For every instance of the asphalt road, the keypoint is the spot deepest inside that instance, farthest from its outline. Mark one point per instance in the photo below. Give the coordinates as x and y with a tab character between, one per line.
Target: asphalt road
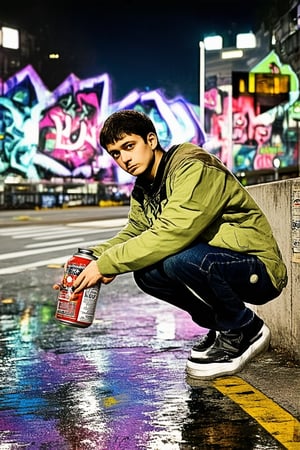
18	217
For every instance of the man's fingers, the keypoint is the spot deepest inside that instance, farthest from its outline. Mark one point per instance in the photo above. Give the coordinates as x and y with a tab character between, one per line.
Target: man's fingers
78	287
79	282
89	277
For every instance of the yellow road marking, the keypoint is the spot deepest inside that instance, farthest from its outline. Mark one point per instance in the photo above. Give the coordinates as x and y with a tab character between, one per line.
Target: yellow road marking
278	422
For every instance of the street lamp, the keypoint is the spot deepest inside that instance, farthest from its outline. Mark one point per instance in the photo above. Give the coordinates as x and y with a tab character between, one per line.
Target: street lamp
201	83
9	39
209	43
245	40
215	43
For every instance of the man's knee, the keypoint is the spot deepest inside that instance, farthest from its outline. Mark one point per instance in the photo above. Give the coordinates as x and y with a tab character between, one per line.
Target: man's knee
173	265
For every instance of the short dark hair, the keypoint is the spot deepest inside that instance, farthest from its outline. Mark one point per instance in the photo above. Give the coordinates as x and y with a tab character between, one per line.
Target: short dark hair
126	121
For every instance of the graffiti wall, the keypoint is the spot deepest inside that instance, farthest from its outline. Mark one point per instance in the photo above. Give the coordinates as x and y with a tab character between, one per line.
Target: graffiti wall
46	135
250	125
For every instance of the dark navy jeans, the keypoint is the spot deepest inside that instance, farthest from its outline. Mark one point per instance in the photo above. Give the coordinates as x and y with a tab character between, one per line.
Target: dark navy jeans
212	284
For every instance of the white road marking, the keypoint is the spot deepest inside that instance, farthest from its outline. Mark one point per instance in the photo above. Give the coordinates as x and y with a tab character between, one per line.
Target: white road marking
42	244
42	232
11	255
22	267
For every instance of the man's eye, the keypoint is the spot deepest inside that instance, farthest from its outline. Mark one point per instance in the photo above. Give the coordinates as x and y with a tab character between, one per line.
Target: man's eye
115	154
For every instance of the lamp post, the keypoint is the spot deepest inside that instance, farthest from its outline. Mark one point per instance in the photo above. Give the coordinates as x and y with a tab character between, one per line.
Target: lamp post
209	43
9	39
201	83
215	43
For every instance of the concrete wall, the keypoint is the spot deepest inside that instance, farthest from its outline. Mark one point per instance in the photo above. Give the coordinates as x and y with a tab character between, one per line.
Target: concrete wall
282	315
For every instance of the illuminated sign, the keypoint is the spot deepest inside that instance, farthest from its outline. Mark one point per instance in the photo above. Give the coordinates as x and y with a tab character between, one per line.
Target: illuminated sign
268	89
260	83
269	83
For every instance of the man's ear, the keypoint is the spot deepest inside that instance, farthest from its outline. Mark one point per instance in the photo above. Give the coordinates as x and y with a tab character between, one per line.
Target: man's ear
152	140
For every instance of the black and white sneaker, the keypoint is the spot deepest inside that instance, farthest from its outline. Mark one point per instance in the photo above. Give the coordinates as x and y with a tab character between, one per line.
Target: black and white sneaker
231	351
203	345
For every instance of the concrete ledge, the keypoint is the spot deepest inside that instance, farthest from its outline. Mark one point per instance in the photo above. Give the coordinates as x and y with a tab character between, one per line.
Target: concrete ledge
282	315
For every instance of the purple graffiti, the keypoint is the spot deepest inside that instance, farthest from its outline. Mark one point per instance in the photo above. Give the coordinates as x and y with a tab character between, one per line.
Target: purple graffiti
56	135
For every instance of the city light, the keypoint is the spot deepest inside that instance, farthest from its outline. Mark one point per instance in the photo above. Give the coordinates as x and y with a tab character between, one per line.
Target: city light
276	164
245	40
9	38
213	42
231	54
209	43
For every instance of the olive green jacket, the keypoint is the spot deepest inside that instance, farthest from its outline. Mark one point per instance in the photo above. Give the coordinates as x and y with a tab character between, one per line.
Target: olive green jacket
193	197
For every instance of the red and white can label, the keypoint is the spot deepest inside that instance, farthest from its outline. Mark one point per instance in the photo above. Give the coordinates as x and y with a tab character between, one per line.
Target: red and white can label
80	310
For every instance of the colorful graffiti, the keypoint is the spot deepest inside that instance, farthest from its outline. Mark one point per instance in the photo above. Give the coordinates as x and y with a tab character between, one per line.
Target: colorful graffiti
56	134
247	135
45	135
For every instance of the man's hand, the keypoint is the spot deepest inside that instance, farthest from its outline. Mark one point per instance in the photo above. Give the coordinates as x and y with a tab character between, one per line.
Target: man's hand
87	278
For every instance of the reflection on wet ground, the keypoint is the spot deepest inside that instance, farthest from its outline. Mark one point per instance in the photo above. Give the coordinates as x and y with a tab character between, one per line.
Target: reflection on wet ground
118	385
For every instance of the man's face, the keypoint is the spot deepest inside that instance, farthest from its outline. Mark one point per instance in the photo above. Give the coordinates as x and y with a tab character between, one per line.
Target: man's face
134	155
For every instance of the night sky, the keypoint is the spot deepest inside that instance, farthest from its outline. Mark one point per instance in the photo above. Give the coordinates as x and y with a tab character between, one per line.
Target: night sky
141	45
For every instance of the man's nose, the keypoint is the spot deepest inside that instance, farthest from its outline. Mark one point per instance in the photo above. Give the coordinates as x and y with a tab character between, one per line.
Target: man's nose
125	157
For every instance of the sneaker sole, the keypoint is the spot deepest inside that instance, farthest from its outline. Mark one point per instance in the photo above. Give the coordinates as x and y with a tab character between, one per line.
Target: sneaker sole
213	370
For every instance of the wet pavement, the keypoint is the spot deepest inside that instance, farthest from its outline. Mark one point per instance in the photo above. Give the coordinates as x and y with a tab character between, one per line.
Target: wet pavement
120	384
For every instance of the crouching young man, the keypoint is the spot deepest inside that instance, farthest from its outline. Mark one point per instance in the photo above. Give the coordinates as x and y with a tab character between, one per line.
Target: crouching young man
196	239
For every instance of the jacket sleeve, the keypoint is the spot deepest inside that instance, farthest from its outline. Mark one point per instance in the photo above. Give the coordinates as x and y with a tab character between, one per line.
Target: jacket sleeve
195	198
134	227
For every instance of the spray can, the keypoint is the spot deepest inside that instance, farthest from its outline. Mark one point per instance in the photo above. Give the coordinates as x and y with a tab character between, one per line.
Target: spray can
79	311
